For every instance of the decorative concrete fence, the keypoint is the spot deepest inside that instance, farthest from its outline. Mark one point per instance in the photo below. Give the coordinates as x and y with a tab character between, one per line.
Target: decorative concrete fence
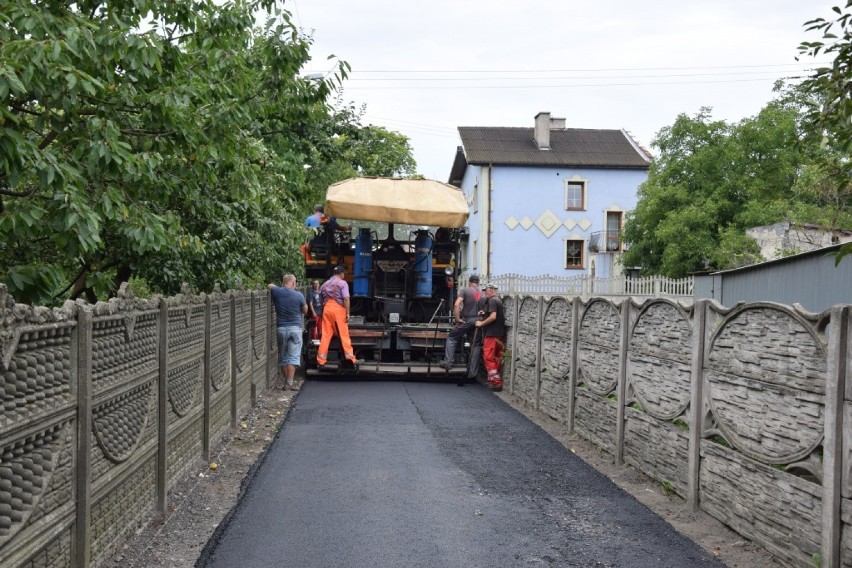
588	286
106	407
745	412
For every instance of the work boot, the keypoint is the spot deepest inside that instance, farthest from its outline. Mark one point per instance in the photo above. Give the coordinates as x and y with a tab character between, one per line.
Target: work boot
445	364
357	362
495	384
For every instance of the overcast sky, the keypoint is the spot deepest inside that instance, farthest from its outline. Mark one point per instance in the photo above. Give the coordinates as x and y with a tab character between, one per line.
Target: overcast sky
425	67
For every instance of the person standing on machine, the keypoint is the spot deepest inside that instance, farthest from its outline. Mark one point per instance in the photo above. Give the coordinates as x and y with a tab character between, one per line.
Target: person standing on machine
315	309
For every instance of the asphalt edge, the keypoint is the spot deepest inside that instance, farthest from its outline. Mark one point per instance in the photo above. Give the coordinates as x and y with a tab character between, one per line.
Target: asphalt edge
209	550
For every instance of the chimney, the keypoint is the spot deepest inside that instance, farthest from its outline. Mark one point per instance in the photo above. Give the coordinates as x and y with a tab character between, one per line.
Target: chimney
542	130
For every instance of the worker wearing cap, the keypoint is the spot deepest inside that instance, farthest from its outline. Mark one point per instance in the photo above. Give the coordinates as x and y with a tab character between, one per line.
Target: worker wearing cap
493	327
465	311
334	294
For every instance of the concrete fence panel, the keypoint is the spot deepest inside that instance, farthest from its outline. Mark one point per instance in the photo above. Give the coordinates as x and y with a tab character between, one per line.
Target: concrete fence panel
243	306
39	373
259	342
220	387
525	353
746	412
123	434
106	407
598	340
761	456
184	384
555	394
659	356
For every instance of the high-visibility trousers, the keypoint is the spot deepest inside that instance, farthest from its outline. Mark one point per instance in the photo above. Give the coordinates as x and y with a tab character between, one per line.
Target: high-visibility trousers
492	352
316	327
334	322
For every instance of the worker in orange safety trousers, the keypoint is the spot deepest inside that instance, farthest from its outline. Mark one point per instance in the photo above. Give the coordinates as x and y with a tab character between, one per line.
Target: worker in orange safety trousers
334	294
493	327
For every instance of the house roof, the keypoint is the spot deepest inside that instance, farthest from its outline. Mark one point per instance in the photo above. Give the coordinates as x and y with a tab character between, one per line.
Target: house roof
570	147
824	251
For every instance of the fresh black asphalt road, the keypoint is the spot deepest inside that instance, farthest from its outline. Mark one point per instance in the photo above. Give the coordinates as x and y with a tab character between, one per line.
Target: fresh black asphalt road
418	474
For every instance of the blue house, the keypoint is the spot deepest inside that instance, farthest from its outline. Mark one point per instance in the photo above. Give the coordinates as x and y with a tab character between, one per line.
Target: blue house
548	199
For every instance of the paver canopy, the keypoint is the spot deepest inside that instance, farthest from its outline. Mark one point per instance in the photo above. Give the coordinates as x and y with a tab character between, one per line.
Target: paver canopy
394	200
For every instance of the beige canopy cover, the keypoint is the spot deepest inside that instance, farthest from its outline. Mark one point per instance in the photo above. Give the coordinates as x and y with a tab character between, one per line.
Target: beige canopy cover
395	200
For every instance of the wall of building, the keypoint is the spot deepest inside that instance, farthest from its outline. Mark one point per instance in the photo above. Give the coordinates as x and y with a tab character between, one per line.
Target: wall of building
530	222
473	253
811	280
744	412
786	238
106	407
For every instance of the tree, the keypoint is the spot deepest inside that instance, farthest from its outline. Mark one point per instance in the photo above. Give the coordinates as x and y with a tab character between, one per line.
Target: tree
341	148
135	139
713	180
829	112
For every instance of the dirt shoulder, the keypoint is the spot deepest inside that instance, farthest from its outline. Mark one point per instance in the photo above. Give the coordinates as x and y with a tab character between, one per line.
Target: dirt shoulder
203	500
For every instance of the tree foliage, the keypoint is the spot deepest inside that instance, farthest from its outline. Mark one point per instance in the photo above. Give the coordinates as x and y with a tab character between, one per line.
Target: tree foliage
713	180
829	112
166	140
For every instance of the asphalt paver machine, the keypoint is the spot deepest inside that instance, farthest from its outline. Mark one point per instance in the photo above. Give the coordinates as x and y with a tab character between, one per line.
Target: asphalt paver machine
401	253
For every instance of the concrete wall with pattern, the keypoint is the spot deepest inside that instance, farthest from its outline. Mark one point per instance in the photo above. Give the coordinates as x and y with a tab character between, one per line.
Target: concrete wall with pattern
106	407
746	412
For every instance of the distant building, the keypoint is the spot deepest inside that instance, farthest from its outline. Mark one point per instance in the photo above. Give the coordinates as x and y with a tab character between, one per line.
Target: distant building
786	238
547	199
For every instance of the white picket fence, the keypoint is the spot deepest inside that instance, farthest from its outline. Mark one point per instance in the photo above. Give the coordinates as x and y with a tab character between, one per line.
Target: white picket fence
587	286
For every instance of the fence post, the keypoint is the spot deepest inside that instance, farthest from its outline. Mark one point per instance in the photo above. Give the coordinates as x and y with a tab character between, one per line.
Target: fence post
836	391
514	341
271	338
234	355
83	350
572	383
252	362
205	440
621	387
162	414
696	401
539	333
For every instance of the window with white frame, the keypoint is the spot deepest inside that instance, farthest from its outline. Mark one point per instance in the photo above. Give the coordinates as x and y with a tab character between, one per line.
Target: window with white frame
575	195
574	254
476	197
474	261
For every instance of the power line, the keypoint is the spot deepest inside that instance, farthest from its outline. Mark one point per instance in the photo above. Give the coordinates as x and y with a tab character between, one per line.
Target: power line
774	73
406	122
586	70
637	84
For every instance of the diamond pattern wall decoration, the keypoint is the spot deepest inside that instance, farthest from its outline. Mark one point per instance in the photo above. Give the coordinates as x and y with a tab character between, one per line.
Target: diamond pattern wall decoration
511	222
585	224
526	222
570	223
548	223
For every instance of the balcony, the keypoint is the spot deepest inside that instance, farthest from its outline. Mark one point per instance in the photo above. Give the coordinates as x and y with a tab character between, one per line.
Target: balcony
605	241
